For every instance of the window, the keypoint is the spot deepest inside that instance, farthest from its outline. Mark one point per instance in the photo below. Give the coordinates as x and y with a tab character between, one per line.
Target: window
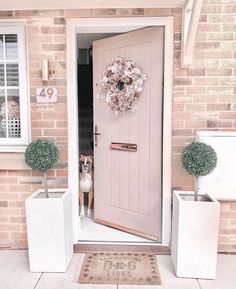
14	111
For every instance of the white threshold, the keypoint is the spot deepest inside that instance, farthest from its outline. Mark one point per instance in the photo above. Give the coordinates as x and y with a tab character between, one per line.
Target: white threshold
118	25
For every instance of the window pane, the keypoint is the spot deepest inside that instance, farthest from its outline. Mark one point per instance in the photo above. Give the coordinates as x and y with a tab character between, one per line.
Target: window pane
2	80
13	94
10	86
11	46
1	47
12	75
10	115
2	100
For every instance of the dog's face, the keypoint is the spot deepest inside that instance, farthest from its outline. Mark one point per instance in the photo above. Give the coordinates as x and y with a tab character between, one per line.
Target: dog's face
85	163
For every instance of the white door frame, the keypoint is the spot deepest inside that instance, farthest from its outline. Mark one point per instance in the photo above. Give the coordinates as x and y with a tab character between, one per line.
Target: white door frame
106	25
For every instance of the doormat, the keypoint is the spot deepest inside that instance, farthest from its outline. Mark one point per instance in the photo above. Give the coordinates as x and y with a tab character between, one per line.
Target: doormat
120	268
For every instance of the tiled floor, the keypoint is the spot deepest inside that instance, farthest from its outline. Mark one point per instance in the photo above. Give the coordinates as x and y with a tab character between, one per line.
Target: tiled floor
91	231
14	274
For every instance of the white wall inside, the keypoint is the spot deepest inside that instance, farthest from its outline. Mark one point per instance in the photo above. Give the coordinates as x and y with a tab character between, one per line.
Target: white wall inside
85	40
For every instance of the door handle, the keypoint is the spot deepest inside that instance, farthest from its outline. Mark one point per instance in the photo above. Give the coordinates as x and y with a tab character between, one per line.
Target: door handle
96	134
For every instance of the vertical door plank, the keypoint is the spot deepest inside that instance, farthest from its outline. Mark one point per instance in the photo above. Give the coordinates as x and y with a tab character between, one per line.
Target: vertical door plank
104	141
124	132
144	130
134	138
115	157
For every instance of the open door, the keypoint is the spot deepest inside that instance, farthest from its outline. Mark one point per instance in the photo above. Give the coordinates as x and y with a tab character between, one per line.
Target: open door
128	185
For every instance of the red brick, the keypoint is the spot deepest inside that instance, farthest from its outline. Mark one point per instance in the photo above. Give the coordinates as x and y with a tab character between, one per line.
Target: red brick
3	204
182	132
53	47
228	115
218	106
181	115
10	180
10	228
211	9
230	8
4	235
195	124
196	72
207	45
53	30
18	236
8	196
219	72
182	81
18	220
9	211
228	215
195	107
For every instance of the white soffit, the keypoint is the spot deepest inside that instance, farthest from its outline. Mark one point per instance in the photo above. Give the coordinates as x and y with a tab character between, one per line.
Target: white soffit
83	4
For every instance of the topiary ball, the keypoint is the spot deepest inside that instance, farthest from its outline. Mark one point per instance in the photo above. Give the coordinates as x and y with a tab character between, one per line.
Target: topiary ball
199	159
41	155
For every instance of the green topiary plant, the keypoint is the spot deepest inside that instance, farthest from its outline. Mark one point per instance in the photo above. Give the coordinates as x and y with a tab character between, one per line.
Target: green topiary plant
42	155
199	159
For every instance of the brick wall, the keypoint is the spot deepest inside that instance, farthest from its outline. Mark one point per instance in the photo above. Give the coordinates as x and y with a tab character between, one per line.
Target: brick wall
203	99
45	39
205	96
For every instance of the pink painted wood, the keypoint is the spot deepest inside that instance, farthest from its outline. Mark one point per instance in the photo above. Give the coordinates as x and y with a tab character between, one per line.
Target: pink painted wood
128	185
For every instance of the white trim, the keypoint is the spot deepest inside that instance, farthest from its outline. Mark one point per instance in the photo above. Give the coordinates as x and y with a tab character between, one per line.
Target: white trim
214	133
88	4
97	23
19	145
72	107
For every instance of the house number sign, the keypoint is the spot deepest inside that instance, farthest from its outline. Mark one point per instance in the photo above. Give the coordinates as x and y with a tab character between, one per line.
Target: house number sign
46	94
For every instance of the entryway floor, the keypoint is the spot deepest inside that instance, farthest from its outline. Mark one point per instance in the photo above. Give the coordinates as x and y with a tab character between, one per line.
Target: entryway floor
91	231
14	274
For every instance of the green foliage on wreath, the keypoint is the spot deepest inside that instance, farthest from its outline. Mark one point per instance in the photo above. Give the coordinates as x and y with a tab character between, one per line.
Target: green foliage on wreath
41	155
199	159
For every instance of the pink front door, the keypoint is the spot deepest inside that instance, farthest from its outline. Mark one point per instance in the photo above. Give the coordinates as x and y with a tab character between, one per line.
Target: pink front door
128	185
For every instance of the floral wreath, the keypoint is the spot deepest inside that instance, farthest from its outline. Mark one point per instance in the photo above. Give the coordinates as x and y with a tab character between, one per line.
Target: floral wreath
121	85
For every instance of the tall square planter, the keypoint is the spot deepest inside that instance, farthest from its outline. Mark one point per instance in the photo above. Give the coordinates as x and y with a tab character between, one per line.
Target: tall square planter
195	229
49	230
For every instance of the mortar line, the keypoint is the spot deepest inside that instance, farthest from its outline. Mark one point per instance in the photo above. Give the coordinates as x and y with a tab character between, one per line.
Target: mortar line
199	284
38	281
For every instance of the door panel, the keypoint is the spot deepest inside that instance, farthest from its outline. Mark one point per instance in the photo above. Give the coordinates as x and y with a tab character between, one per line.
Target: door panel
128	190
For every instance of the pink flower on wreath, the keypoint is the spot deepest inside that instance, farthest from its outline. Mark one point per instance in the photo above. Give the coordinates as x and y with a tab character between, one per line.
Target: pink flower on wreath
12	108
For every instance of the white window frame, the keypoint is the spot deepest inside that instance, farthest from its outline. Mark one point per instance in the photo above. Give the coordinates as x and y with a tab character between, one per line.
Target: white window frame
19	144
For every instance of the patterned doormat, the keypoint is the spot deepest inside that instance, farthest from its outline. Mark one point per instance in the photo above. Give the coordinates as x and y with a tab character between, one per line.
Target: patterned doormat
120	268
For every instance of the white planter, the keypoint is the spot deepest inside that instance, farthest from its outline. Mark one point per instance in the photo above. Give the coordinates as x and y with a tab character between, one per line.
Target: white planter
49	229
195	229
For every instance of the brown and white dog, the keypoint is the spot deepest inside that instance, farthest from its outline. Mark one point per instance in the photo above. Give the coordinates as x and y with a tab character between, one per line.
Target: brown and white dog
86	183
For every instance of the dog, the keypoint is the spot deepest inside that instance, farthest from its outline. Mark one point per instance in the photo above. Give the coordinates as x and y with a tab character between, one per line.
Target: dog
86	183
